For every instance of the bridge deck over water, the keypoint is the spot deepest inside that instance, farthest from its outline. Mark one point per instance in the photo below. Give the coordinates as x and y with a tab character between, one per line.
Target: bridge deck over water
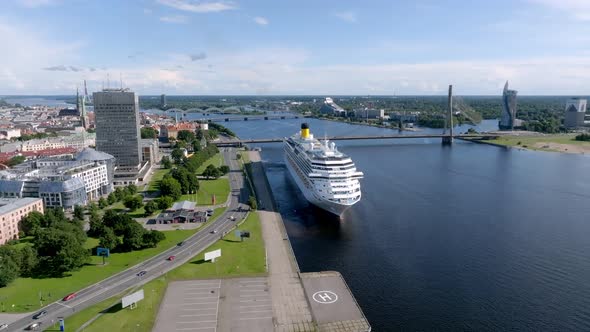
239	142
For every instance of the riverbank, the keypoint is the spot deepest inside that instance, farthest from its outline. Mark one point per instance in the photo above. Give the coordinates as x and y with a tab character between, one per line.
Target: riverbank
564	143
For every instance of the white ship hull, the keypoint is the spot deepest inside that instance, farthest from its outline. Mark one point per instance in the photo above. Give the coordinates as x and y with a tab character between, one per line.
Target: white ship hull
332	207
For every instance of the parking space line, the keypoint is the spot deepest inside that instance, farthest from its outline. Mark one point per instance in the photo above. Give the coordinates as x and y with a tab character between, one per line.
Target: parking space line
255	318
205	298
253	295
198	321
197	315
195	328
255	306
253	312
254	300
197	309
251	290
193	303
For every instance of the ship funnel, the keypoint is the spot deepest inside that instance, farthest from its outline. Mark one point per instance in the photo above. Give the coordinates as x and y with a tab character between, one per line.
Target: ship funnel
304	130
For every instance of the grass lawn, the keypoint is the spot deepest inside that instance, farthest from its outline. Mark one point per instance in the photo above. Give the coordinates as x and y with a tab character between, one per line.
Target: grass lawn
216	160
530	141
23	293
154	184
233	262
120	207
220	188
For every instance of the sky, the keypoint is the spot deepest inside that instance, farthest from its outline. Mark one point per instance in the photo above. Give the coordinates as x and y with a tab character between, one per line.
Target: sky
302	47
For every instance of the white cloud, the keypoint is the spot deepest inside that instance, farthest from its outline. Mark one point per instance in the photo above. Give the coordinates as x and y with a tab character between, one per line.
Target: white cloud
198	6
347	16
178	19
147	11
260	20
36	3
578	9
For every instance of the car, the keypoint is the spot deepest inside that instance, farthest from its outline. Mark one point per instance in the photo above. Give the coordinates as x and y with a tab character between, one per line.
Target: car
33	326
3	326
40	314
141	274
232	218
69	297
209	211
180	243
214	231
171	258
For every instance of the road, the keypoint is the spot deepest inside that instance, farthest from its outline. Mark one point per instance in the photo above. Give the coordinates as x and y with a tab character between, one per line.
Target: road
155	266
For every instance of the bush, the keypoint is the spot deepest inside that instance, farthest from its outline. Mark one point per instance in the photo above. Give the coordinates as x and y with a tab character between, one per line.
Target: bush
252	202
583	137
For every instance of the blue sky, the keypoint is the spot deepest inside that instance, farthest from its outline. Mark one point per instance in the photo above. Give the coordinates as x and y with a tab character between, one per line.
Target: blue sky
296	47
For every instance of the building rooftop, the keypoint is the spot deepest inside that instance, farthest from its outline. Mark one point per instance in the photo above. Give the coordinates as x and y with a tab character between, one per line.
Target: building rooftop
184	205
10	204
93	155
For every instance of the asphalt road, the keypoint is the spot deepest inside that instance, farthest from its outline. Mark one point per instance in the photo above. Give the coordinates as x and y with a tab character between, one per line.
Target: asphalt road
155	266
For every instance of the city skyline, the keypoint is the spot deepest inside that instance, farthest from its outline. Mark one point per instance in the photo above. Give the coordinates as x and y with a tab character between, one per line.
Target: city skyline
182	47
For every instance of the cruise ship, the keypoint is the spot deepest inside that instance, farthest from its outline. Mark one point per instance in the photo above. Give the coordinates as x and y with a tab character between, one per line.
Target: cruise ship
327	177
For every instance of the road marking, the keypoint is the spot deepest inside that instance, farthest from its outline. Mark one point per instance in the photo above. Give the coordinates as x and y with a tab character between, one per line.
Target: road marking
198	315
198	321
195	328
197	309
196	303
251	290
255	301
67	306
325	297
254	306
255	318
253	312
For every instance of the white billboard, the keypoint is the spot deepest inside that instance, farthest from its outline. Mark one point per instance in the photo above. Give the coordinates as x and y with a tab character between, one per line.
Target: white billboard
131	299
211	255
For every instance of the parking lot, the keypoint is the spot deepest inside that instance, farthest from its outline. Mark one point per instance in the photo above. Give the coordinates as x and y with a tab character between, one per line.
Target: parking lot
241	304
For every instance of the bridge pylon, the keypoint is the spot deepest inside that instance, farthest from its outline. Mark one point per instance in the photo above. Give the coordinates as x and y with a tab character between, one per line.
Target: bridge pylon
448	140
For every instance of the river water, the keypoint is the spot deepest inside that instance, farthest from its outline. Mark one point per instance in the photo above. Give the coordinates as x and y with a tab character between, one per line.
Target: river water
469	237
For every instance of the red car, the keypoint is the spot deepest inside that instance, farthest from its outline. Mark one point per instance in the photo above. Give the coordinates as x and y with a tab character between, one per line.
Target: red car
69	297
171	258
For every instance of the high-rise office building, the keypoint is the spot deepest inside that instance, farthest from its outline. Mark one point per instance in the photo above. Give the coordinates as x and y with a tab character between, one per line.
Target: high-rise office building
117	126
163	100
508	119
575	110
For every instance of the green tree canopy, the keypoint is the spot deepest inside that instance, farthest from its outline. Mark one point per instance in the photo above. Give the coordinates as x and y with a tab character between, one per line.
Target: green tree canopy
133	202
170	187
108	239
149	132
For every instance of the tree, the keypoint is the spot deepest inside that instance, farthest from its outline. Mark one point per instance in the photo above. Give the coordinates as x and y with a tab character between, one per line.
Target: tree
96	226
152	238
224	169
197	145
59	251
8	271
102	203
92	207
28	261
149	132
252	202
132	236
177	155
164	202
150	207
30	223
16	160
79	212
75	229
170	187
186	135
133	202
120	193
131	189
112	198
166	163
108	239
211	172
199	135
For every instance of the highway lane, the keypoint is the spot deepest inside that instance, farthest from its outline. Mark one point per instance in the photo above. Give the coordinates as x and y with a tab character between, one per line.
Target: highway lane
155	266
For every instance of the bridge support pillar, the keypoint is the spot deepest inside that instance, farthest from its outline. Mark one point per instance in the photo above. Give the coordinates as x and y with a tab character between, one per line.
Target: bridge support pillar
448	140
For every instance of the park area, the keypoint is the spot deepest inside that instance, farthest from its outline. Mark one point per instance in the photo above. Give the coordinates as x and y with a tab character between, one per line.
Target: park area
238	258
565	143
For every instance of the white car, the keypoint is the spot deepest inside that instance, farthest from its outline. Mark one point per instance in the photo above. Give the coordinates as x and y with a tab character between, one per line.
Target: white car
3	326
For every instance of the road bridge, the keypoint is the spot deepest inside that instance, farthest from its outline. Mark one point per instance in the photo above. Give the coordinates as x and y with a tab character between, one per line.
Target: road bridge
241	142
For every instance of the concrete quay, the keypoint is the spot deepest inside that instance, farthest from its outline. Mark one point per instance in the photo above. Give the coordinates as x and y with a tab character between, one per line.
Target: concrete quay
301	301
